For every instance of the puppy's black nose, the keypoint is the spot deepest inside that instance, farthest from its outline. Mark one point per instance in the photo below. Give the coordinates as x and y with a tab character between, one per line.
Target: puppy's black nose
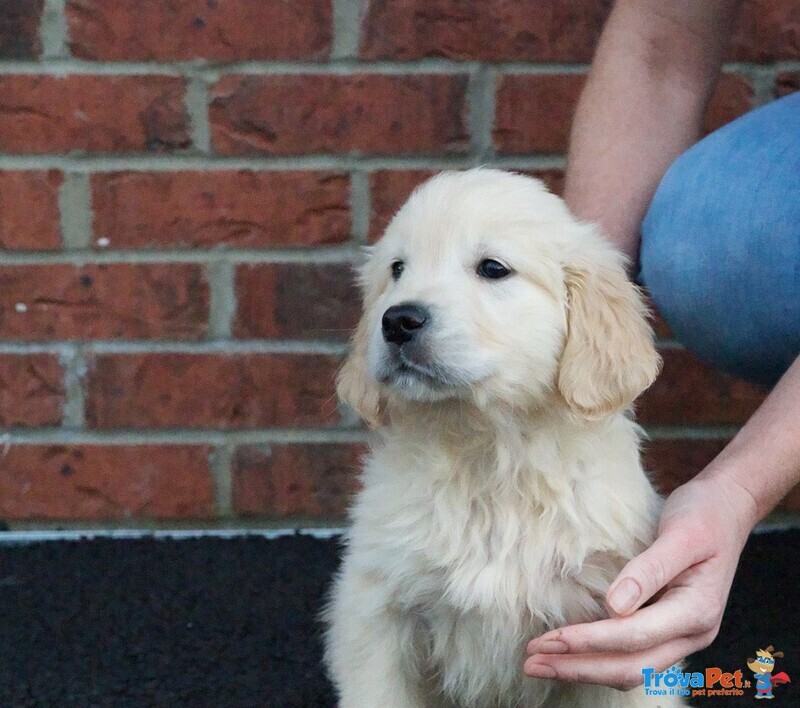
401	322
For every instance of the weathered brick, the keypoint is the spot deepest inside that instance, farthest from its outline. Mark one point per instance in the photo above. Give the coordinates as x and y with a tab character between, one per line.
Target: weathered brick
19	29
31	391
544	31
672	462
240	209
492	30
534	112
689	392
29	213
295	480
732	97
786	82
231	30
766	31
62	301
390	188
41	114
105	482
363	113
210	390
296	300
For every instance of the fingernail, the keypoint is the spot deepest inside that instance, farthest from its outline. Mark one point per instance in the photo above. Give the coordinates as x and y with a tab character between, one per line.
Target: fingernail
539	670
552	646
625	596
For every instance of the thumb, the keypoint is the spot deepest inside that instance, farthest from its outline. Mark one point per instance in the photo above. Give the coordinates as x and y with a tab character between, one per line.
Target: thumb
643	576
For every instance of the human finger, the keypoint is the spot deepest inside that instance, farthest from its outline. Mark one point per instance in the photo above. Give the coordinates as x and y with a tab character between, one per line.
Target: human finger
682	611
671	553
620	671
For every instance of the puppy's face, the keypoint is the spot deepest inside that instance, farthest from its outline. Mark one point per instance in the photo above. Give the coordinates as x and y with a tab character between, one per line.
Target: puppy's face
466	298
468	295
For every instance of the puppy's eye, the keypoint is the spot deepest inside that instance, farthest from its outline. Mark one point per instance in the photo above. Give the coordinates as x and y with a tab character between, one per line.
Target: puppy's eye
492	269
397	269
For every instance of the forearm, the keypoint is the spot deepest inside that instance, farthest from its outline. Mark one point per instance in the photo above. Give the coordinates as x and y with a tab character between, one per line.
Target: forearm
655	67
762	463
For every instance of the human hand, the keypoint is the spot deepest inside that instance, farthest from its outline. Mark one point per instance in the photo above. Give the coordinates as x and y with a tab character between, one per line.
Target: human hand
703	528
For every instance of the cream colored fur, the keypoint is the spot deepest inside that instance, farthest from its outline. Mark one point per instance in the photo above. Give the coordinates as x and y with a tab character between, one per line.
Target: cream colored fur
501	503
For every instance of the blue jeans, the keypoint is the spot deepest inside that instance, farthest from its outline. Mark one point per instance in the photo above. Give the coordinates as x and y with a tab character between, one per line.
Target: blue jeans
720	250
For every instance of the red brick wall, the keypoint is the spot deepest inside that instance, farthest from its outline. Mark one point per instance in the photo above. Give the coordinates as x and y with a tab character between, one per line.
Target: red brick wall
183	186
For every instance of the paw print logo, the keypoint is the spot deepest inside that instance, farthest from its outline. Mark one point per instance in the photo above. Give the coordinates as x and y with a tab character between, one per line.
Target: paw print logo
674	670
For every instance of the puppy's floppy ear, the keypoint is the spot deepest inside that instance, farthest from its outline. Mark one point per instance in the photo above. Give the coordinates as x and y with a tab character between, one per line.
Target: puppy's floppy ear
353	384
609	357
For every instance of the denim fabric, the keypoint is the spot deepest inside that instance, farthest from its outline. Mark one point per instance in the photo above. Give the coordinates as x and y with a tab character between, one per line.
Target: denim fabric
720	247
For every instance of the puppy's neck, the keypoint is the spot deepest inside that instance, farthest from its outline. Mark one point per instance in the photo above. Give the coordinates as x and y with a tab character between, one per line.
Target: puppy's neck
461	422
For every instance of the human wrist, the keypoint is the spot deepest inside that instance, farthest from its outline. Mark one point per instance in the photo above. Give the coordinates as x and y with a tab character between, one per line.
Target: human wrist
726	485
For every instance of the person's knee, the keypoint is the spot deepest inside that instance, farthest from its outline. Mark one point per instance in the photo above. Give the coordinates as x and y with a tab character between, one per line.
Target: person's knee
670	259
719	249
683	238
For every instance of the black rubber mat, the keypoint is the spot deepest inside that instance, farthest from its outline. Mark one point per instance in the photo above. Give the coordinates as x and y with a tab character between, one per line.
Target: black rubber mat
214	622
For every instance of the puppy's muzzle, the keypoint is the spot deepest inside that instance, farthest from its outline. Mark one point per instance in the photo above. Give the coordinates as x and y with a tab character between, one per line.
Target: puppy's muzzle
401	323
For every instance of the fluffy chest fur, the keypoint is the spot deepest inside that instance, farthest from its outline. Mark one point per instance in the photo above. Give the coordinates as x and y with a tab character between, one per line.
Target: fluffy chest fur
500	538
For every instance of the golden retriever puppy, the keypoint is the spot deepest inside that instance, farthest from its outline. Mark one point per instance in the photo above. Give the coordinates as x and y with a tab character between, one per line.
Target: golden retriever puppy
500	349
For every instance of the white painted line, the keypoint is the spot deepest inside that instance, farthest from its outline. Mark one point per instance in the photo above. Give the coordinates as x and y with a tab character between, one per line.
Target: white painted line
26	537
781	525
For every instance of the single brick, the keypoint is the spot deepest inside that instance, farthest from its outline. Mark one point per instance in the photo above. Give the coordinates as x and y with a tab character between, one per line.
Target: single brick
534	112
672	462
491	30
31	391
41	114
363	113
786	82
29	213
389	189
106	482
689	392
210	390
241	209
766	31
295	480
227	30
732	97
19	29
296	301
62	301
